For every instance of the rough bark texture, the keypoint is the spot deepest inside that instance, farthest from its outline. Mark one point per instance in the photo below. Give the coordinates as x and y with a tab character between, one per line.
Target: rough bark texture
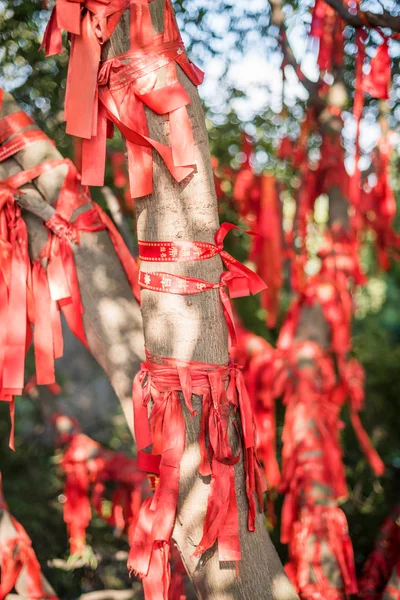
112	318
193	327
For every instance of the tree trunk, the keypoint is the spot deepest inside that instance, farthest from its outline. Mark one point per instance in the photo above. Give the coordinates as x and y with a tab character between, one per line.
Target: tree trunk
193	328
112	320
313	327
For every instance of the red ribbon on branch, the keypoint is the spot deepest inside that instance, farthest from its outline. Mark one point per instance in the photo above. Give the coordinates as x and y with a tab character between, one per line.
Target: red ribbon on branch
34	293
240	280
88	467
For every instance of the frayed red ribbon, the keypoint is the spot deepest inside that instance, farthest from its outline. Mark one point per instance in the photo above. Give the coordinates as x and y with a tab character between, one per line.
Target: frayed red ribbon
87	467
162	435
33	293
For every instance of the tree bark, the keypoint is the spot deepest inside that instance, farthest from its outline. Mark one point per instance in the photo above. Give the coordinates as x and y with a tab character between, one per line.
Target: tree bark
112	320
384	19
194	328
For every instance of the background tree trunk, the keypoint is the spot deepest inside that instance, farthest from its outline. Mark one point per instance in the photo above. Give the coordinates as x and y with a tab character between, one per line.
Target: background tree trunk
193	328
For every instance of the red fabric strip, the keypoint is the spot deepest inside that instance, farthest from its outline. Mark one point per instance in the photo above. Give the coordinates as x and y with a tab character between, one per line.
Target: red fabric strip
31	292
160	380
13	123
176	284
146	75
43	331
240	280
20	141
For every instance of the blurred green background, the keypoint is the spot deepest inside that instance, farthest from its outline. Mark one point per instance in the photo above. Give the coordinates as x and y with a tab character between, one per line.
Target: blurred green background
235	45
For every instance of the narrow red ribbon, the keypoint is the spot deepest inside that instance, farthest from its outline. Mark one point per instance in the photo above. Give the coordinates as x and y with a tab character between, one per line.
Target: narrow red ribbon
240	280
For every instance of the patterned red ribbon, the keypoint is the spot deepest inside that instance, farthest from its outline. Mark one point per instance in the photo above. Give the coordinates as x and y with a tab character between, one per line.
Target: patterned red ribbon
240	280
163	433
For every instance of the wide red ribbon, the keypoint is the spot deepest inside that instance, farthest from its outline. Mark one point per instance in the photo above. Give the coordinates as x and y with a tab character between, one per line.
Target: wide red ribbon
21	141
162	433
13	123
32	293
117	92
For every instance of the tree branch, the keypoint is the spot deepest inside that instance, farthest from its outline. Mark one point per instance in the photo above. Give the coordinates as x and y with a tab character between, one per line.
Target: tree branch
372	19
278	19
119	219
35	205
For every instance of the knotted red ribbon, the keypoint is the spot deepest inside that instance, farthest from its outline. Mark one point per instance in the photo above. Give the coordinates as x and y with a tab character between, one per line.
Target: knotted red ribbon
117	92
161	436
240	280
35	293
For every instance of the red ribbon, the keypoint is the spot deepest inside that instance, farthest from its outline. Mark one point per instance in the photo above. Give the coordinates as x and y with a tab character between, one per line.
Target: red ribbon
13	123
16	555
163	434
21	141
88	466
31	293
117	92
240	280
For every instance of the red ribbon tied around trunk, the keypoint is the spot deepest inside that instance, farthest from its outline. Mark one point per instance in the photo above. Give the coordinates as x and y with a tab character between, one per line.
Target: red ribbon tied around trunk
116	92
161	440
240	280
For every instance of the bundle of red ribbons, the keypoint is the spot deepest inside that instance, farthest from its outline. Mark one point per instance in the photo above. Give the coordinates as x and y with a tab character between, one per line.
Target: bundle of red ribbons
161	441
377	84
314	382
88	468
33	292
259	206
116	91
18	562
380	577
